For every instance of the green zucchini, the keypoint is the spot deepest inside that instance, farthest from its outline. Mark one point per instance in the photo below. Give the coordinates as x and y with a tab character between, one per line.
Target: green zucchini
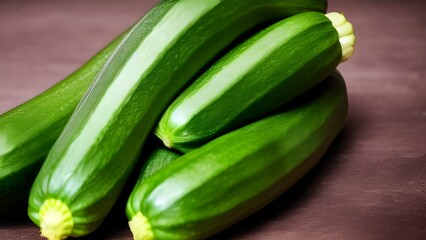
28	131
261	74
157	159
87	167
236	174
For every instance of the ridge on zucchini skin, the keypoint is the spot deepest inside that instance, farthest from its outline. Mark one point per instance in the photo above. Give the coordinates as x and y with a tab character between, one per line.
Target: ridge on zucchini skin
157	58
262	73
231	177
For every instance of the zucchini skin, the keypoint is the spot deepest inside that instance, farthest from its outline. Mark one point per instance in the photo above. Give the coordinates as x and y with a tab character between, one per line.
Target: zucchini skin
28	131
261	74
103	138
159	158
236	174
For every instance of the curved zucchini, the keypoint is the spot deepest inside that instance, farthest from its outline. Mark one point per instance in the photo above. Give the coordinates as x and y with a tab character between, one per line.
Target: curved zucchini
263	73
28	131
236	174
89	164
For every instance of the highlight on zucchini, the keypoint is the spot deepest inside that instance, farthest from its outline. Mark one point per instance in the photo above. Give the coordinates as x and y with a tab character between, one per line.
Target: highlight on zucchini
90	162
266	71
214	186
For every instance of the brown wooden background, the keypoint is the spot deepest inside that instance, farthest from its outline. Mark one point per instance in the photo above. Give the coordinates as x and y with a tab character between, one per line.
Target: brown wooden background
371	184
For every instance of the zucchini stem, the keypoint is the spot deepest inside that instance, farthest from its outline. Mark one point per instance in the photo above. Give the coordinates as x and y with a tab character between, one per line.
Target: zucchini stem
140	227
55	220
165	137
167	142
346	33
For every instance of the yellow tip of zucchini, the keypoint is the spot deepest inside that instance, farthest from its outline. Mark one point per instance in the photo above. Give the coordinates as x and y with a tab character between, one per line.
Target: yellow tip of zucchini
55	220
140	227
346	33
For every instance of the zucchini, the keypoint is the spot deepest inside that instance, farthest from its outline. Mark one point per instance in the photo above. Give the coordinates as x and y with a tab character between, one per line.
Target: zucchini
236	174
28	131
261	74
156	157
88	166
157	160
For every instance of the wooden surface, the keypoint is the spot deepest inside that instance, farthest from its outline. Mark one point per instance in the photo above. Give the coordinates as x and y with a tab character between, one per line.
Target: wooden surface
370	185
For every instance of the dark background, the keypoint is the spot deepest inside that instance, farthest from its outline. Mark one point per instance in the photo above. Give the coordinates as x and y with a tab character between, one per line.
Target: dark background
370	185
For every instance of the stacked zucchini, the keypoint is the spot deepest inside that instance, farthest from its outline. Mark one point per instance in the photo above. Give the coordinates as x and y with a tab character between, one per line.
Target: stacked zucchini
244	93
